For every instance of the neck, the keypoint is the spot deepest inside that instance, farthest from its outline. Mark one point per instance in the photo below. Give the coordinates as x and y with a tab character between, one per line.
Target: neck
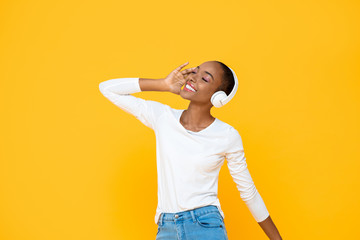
197	115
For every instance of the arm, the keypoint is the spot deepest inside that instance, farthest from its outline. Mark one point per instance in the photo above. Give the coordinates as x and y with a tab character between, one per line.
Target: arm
238	169
172	83
147	84
270	229
118	91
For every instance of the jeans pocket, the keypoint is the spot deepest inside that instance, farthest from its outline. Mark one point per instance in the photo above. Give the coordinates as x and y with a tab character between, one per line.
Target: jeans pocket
210	220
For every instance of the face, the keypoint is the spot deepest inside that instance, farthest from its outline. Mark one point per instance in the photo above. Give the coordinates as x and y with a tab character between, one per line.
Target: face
205	79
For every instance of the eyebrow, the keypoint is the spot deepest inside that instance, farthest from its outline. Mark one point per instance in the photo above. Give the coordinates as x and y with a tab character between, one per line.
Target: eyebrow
207	73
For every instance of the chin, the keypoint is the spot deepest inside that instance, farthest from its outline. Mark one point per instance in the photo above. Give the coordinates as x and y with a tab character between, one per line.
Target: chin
184	95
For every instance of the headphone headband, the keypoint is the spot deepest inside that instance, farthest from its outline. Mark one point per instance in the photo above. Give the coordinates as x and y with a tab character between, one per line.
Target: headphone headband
233	91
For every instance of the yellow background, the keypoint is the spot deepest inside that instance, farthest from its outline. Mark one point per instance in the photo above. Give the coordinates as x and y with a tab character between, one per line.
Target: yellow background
74	166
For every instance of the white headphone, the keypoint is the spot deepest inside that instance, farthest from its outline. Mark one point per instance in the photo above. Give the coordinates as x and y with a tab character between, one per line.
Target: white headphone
219	98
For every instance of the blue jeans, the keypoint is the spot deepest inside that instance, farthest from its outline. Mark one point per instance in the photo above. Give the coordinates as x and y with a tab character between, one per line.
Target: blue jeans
196	224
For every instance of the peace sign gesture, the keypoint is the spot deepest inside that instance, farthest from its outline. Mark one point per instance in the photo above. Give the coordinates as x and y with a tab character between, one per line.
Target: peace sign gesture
176	79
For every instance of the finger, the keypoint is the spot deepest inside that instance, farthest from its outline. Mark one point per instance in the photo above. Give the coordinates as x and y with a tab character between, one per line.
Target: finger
187	71
181	66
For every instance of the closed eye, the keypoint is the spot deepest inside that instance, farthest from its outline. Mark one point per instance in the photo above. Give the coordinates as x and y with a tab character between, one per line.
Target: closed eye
202	78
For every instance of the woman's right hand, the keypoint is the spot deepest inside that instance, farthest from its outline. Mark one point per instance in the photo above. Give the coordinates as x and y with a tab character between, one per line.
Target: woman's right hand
176	79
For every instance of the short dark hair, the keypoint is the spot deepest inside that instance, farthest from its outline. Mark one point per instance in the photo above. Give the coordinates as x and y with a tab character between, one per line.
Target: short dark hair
228	80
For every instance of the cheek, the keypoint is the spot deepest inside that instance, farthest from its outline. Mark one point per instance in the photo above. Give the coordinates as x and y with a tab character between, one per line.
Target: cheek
206	90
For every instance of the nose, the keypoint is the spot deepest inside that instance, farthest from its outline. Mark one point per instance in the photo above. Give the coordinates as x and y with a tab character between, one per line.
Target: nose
193	78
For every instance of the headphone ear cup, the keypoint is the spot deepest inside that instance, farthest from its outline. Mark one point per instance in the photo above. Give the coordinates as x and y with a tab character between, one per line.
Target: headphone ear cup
217	97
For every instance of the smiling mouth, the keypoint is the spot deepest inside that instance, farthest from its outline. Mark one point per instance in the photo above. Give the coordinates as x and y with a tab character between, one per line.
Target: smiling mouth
189	88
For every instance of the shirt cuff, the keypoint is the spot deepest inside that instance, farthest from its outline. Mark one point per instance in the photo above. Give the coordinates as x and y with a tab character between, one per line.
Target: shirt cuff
134	87
257	208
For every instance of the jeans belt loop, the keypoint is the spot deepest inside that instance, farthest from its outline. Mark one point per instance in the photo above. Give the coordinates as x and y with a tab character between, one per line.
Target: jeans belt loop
161	221
192	215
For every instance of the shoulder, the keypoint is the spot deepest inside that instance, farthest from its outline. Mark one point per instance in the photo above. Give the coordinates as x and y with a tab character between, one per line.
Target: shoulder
231	132
233	137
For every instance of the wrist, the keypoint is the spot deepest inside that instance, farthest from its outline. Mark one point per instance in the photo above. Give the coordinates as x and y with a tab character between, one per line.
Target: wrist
164	85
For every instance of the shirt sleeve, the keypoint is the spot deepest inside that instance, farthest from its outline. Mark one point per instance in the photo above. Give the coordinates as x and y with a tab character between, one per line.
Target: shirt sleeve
237	165
118	91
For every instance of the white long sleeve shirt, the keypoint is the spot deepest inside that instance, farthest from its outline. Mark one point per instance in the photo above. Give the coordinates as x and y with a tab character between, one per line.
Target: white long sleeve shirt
188	162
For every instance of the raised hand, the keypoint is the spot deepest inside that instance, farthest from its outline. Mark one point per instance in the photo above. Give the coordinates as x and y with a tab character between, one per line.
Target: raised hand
176	79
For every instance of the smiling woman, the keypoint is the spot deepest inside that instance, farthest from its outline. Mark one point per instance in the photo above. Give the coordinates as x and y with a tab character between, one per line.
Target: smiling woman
188	204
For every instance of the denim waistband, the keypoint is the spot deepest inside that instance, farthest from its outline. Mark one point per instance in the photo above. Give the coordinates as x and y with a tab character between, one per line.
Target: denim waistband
187	214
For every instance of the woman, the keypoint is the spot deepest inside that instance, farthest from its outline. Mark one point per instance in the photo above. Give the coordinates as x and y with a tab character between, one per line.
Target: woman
191	146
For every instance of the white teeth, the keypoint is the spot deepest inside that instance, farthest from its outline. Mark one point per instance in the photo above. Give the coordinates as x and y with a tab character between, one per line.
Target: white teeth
189	87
